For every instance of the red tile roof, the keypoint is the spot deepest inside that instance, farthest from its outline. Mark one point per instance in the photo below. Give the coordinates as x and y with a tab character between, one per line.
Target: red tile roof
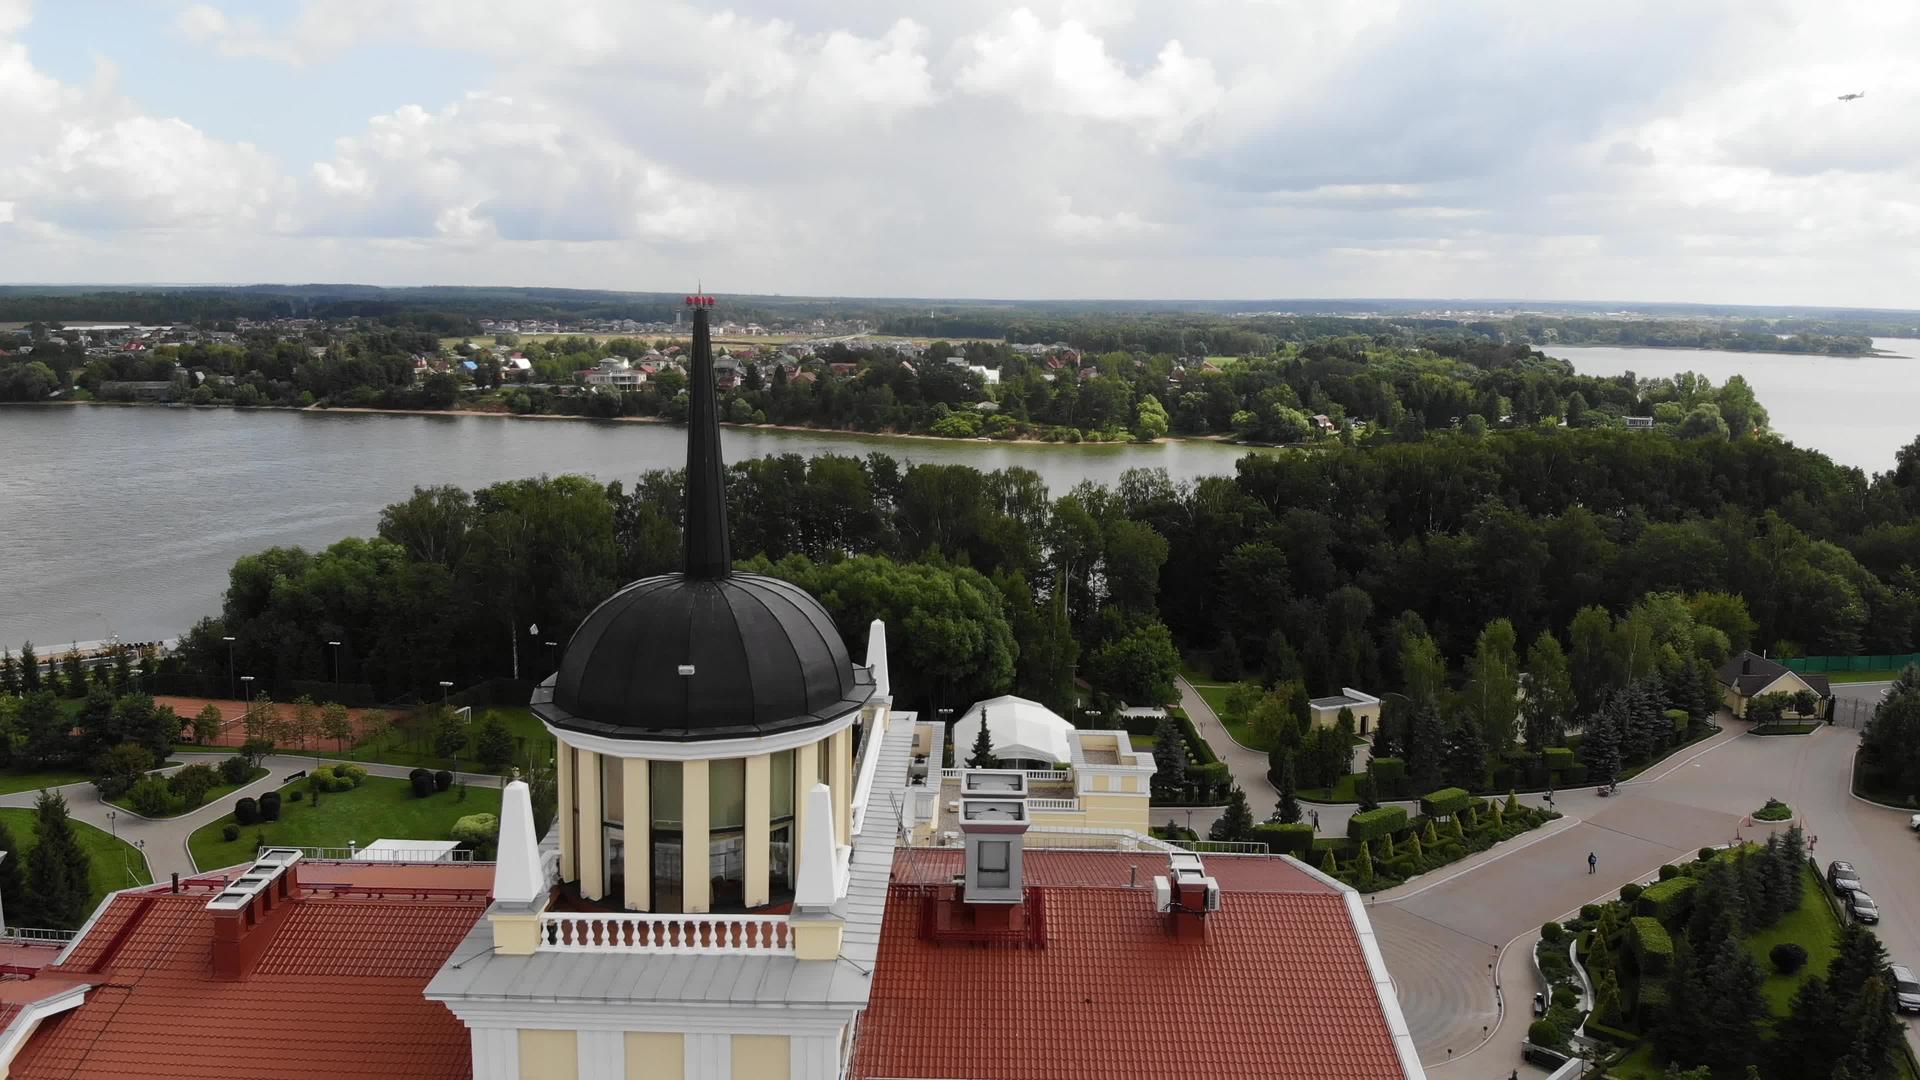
1281	987
337	991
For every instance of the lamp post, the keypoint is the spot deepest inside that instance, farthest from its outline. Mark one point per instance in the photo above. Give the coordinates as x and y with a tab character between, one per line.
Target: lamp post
113	826
336	667
232	690
247	682
445	685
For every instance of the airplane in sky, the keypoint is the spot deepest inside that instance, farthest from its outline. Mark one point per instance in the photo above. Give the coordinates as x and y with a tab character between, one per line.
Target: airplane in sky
1853	97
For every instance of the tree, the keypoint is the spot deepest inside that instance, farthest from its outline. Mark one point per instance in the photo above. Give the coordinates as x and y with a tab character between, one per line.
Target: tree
1550	698
1287	809
1493	685
1874	1029
58	868
1809	1038
1236	822
29	669
206	723
493	743
1149	419
304	723
982	756
375	724
9	673
1426	749
116	768
75	670
1423	670
336	723
1138	667
1600	749
46	729
1466	765
449	734
1169	759
261	720
14	900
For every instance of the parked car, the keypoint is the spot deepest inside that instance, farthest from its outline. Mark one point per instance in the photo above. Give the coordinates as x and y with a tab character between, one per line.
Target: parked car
1914	823
1906	989
1842	877
1862	907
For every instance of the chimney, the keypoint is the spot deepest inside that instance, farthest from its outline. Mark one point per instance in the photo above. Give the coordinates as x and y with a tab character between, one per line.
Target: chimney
1746	664
994	827
249	911
1185	896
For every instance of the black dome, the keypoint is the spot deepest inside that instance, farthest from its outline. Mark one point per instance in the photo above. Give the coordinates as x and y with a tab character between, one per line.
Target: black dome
766	658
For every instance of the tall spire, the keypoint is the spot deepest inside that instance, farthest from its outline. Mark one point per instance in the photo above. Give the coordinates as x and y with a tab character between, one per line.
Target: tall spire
708	552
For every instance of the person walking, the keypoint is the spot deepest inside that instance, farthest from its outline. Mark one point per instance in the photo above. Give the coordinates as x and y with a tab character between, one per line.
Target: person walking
1316	819
1593	862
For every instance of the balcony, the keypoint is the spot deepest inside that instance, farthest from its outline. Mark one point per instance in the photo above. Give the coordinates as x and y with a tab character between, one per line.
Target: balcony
682	935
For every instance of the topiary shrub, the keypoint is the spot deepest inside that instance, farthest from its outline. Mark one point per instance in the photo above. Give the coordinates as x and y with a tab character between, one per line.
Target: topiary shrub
442	780
422	782
353	774
1373	824
1631	891
1669	900
1283	839
1652	945
1668	872
1553	933
1548	1034
270	806
235	770
1705	854
1390	773
1559	758
246	812
1589	912
476	829
230	831
1445	802
150	797
1565	997
1787	957
1775	810
296	795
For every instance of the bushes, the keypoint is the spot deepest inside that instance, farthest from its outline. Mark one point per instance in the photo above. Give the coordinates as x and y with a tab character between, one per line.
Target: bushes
1775	810
422	782
1374	824
235	770
1282	839
1668	871
442	780
344	776
1559	758
1390	773
1445	802
1553	933
1667	901
1651	944
246	812
1589	912
190	785
476	829
270	806
1787	957
230	832
150	797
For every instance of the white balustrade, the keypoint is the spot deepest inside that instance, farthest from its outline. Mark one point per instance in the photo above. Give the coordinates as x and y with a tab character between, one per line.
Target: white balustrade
1053	804
633	932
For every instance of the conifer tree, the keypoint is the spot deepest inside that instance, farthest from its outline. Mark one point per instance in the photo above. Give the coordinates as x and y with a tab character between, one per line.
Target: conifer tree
1236	823
1793	856
982	755
1287	810
1169	758
9	673
1875	1031
13	880
1328	866
1808	1039
58	868
29	669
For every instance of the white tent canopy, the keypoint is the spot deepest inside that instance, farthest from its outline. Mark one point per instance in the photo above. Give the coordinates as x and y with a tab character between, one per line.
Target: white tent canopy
1019	729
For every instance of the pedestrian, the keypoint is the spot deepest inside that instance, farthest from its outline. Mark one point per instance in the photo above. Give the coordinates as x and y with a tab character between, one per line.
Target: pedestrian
1593	862
1316	819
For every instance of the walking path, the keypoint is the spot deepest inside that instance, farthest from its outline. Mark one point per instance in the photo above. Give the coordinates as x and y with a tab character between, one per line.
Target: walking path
163	841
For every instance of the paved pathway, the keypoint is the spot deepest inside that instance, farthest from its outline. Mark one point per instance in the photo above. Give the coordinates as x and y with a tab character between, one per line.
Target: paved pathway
164	841
1440	933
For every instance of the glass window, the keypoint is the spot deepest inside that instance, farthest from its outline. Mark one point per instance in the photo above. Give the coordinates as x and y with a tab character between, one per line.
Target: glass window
780	861
665	789
781	776
727	794
613	776
993	871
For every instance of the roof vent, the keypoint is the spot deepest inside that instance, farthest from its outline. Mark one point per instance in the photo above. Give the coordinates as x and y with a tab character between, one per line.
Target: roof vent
1185	896
248	911
995	829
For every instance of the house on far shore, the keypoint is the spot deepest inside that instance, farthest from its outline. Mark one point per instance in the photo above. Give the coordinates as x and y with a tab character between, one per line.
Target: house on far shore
1639	423
1325	711
1749	675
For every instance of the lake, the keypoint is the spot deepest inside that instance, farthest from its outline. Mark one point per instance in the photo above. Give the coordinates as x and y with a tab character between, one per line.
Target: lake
125	520
1857	410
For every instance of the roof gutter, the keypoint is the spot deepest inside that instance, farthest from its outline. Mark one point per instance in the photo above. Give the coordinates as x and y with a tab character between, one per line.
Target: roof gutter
16	1034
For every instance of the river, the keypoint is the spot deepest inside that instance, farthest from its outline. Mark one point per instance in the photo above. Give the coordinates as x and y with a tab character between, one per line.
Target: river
125	520
1857	410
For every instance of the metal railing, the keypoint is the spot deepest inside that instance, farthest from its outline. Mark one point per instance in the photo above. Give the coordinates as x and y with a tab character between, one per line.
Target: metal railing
1223	847
36	935
758	935
356	853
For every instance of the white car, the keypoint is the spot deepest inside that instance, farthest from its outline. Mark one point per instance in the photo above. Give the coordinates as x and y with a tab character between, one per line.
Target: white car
1914	823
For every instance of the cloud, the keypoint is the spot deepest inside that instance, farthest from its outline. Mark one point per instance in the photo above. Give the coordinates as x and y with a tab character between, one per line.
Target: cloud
1066	69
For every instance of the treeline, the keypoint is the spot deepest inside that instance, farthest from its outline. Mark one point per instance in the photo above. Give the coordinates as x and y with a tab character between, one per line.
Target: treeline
1301	566
1745	335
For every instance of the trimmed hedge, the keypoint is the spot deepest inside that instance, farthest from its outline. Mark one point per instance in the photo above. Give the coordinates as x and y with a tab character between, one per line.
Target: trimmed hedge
1373	824
1667	901
1389	772
1788	957
1559	758
1652	946
1652	1002
1282	839
1446	802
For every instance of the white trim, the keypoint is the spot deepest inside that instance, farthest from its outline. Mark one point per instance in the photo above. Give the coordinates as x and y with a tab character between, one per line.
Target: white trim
655	1016
602	1055
24	1025
1410	1066
702	749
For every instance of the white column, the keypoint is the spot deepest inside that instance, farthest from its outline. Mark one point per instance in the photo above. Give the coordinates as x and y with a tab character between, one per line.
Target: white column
592	859
639	825
603	1055
496	1053
709	1056
814	1057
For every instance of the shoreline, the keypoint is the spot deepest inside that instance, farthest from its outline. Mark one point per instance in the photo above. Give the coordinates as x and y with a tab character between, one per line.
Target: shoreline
1870	354
361	410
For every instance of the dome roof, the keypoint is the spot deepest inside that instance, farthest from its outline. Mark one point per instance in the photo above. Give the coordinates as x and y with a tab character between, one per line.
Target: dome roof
705	653
766	658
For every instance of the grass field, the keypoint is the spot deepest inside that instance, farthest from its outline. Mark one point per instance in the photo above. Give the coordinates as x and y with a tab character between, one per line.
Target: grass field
1215	695
1813	925
213	796
381	808
35	779
116	863
1342	791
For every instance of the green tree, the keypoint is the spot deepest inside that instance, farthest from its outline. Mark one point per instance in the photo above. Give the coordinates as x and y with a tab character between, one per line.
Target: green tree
336	723
116	768
9	673
76	673
449	734
58	868
14	899
493	743
1424	671
45	728
1149	419
1493	685
1550	698
1287	809
1138	667
207	723
1169	760
1236	821
982	756
29	669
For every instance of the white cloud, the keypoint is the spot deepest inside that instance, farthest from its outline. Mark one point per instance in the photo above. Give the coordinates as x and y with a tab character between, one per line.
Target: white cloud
1067	69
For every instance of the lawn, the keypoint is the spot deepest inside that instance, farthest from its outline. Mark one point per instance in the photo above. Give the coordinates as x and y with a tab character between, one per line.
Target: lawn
1886	675
214	795
1786	729
1215	695
414	749
34	780
380	808
116	863
1342	791
1813	925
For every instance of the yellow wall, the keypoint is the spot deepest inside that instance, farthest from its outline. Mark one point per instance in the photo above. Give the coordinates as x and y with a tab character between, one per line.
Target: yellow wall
759	834
549	1055
695	869
840	779
761	1057
569	841
655	1055
634	786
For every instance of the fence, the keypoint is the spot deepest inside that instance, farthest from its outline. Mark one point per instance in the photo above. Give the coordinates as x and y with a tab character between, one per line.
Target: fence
1820	665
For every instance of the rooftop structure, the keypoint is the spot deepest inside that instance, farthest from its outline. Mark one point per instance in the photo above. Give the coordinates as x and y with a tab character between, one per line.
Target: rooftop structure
1021	730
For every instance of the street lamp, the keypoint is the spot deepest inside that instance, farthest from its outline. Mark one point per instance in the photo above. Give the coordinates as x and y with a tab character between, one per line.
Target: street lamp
336	667
445	685
247	681
232	690
112	826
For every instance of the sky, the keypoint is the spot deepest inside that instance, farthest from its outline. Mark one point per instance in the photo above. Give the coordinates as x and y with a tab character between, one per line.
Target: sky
1627	149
